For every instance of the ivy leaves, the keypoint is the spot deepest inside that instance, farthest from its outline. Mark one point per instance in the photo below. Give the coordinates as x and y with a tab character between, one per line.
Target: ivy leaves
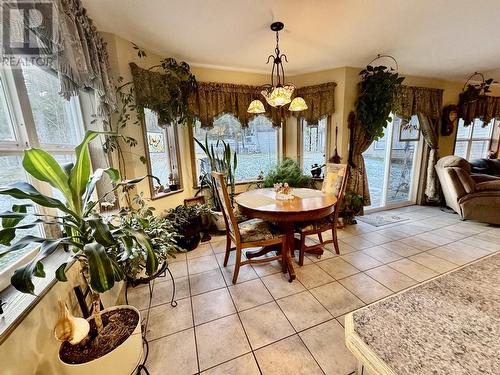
375	100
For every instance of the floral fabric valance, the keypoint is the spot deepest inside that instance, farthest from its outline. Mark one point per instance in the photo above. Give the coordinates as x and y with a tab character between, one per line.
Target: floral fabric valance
78	53
485	108
212	99
412	100
320	101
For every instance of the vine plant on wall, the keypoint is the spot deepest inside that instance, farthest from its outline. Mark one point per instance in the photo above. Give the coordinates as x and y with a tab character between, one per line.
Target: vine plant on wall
176	85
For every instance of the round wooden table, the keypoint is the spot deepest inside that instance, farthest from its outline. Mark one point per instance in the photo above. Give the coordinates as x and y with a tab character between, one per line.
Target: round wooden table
307	205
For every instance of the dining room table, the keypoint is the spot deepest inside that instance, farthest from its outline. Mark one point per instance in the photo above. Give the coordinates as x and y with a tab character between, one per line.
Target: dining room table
306	205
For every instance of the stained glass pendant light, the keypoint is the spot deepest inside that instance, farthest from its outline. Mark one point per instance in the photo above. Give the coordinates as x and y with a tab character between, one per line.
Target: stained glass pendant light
278	93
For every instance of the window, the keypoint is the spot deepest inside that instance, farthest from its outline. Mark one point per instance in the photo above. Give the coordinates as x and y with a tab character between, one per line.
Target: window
256	146
473	141
161	144
312	144
43	120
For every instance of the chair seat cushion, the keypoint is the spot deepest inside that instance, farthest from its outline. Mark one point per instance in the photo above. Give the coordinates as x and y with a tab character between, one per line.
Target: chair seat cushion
257	230
313	225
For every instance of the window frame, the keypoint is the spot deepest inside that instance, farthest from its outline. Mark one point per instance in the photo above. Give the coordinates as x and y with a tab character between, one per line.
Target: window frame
171	135
470	137
300	140
279	151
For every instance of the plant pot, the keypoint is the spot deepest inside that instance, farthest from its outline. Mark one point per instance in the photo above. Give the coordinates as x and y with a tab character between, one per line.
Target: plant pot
173	187
191	234
122	360
218	220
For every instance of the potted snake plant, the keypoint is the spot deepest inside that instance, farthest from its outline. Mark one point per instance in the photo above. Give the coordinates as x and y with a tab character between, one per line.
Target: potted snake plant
220	159
111	340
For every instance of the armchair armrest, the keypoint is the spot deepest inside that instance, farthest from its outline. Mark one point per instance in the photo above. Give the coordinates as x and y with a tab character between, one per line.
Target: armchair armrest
478	178
493	185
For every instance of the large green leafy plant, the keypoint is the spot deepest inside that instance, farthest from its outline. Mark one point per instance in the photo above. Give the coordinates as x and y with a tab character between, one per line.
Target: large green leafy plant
92	240
220	159
162	232
288	171
373	107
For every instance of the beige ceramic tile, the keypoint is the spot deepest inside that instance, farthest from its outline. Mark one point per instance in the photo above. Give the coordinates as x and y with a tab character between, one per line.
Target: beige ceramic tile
303	310
162	292
206	281
326	344
361	261
390	278
165	319
382	254
286	357
139	296
401	248
338	268
433	262
393	233
212	305
268	268
265	324
220	340
204	249
343	248
487	243
279	286
412	269
341	320
178	269
244	365
434	239
365	288
246	273
337	299
312	276
174	354
219	246
419	242
249	294
202	264
458	253
231	260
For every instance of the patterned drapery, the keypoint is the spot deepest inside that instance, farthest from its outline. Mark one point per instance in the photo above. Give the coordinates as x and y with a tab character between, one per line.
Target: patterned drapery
78	54
411	100
485	108
427	104
212	100
319	100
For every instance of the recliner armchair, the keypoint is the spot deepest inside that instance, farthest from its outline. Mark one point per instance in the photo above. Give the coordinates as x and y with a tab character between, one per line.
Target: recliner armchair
471	197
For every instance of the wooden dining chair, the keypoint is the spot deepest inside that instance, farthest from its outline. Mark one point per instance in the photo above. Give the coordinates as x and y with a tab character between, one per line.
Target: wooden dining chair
335	182
246	234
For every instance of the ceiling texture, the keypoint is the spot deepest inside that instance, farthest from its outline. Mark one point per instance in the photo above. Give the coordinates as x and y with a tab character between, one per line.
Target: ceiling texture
448	39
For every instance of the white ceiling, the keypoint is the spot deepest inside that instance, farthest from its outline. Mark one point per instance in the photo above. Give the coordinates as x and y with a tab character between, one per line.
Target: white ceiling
434	38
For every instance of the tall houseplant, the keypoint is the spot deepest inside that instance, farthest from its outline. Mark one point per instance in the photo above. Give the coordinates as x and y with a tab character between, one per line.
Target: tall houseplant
220	159
287	171
95	243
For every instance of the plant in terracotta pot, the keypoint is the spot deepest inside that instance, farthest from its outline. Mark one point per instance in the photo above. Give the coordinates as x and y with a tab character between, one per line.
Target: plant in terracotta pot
187	221
114	341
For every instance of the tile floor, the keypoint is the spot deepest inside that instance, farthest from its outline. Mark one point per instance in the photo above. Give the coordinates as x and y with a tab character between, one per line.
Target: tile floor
266	325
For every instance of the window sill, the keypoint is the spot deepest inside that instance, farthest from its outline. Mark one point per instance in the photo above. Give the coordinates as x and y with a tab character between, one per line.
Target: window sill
18	305
163	195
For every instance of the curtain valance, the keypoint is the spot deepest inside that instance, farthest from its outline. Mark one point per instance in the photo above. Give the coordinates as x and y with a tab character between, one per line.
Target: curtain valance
320	101
213	99
412	100
77	52
485	108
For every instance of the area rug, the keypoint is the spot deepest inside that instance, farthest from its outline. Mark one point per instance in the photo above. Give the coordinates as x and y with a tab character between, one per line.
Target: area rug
378	219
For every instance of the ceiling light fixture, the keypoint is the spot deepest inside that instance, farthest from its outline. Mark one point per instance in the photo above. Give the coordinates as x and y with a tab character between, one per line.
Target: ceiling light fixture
278	93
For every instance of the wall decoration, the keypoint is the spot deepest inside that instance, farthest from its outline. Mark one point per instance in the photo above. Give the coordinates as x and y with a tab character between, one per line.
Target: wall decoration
450	119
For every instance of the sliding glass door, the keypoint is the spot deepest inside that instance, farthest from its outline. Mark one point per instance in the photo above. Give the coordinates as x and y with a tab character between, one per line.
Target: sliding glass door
392	165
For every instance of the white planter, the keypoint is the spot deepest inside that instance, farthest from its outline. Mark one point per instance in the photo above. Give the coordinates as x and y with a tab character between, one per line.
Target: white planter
121	361
8	271
218	220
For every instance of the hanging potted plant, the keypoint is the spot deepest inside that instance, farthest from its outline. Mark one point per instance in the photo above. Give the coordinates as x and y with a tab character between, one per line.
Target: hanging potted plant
111	342
220	159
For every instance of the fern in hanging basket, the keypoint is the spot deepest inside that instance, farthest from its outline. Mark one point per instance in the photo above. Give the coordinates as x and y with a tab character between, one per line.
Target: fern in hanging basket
377	87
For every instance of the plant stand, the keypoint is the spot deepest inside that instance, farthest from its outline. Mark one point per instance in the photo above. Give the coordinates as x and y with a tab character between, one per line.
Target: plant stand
142	366
162	271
